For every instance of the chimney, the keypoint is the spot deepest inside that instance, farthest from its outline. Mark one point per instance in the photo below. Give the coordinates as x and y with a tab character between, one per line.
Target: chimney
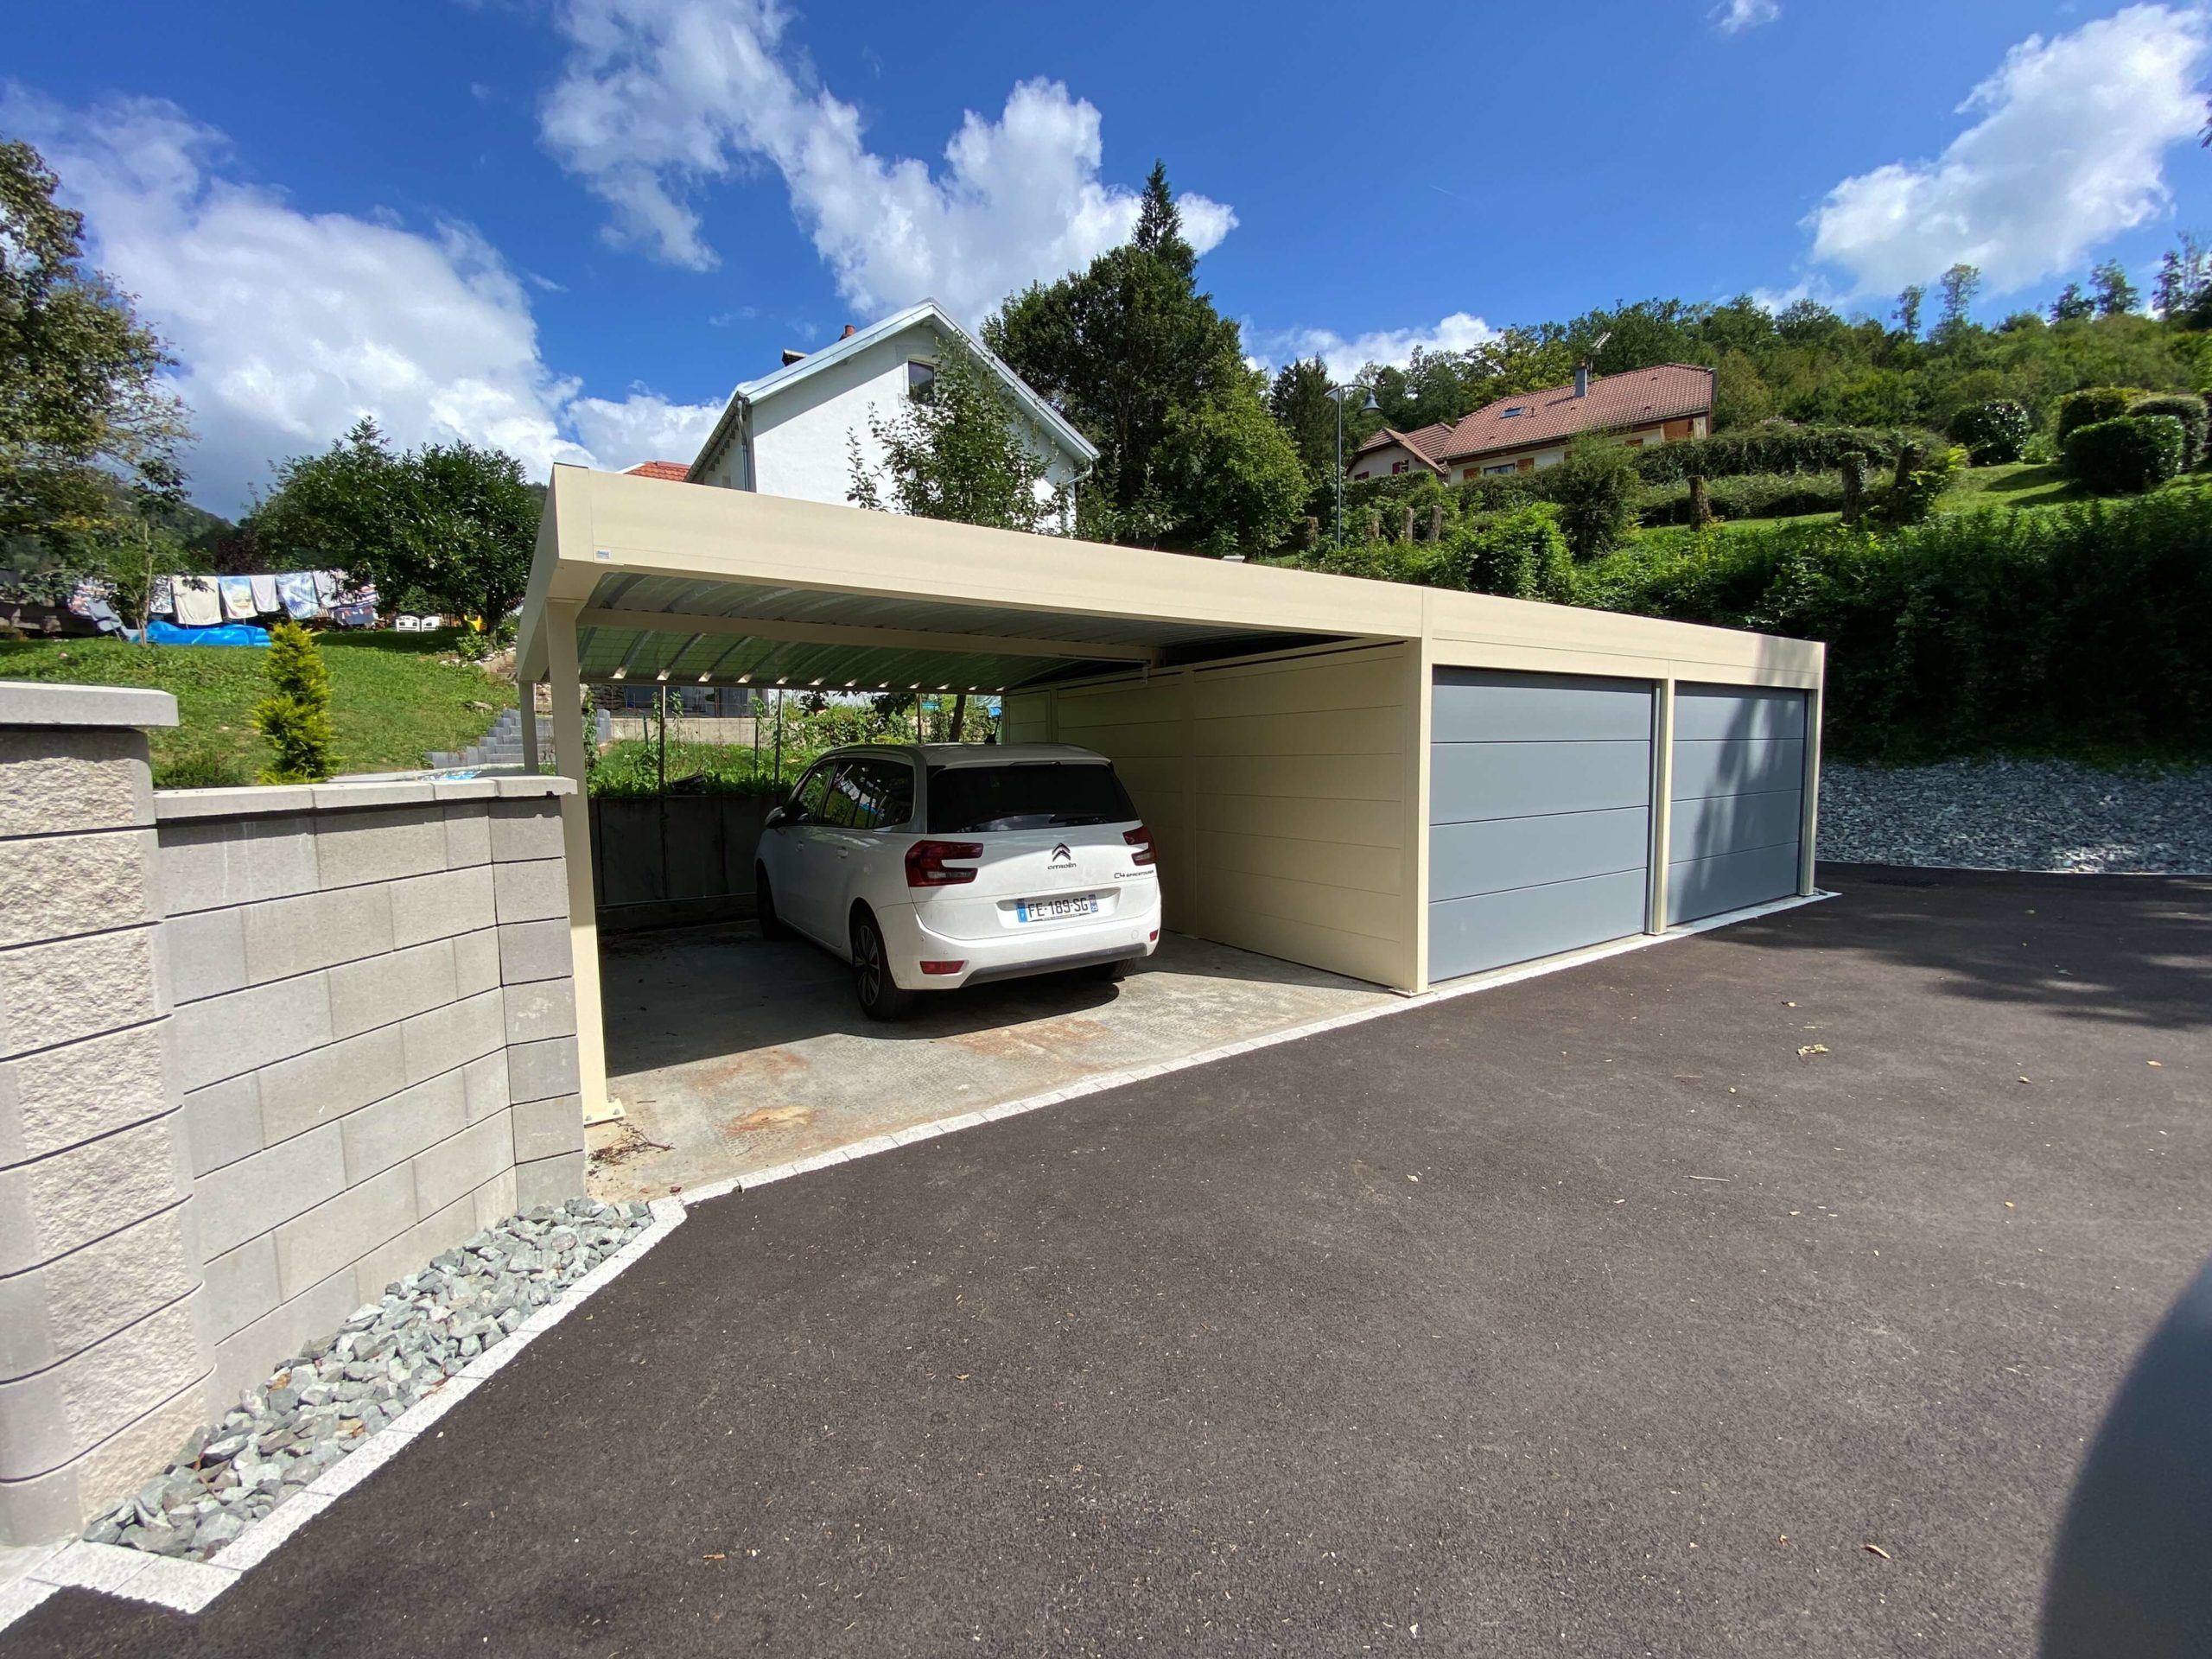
850	332
1582	379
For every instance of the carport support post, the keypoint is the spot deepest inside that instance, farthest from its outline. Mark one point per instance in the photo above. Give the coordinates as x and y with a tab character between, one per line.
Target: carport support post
528	705
569	755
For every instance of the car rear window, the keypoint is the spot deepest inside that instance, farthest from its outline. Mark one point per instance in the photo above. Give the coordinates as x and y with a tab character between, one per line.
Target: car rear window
1024	795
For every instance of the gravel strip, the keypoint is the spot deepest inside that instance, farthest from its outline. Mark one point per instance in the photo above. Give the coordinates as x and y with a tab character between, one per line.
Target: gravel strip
328	1399
2018	815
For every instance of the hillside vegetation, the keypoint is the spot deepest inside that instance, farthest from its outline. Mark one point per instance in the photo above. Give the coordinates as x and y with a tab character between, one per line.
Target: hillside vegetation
394	697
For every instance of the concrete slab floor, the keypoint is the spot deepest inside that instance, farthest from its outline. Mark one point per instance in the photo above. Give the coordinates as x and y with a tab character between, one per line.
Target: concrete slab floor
731	1054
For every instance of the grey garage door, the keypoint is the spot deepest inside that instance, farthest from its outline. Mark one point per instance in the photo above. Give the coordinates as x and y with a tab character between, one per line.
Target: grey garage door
1738	797
1540	815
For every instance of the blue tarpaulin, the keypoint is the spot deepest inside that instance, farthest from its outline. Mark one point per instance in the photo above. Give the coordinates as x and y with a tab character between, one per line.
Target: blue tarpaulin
230	633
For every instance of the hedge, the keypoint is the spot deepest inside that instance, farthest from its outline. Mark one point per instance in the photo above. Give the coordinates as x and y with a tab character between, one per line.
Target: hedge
2089	406
2185	407
1994	433
1755	495
2124	456
2078	628
1776	449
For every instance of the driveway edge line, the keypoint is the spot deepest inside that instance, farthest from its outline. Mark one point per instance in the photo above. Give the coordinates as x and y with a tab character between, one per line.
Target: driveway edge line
188	1586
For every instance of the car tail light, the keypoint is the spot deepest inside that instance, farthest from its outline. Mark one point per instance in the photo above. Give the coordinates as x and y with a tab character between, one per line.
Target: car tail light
1154	939
925	865
943	967
1140	840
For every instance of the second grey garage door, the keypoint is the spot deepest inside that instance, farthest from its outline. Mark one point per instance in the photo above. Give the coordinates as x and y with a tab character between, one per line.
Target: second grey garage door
1540	815
1738	798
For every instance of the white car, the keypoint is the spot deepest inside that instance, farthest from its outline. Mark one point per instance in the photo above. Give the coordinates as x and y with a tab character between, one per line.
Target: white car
929	867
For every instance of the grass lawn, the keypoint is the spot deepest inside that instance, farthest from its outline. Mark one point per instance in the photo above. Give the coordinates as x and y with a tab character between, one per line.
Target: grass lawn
2024	486
393	698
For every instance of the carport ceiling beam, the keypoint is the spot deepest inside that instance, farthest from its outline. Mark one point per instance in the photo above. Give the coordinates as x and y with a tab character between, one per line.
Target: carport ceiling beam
838	633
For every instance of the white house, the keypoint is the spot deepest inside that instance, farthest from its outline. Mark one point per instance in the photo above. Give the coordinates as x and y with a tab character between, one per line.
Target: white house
790	433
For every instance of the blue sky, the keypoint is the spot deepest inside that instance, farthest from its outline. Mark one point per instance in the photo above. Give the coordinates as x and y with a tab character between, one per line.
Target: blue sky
570	227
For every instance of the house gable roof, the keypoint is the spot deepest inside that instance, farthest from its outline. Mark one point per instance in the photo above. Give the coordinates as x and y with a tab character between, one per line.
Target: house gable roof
675	470
1665	392
929	313
1423	443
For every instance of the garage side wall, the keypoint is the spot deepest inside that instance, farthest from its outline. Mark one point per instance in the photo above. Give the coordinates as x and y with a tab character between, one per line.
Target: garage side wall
1283	792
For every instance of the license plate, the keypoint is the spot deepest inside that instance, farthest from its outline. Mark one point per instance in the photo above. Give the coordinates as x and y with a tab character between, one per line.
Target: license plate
1053	910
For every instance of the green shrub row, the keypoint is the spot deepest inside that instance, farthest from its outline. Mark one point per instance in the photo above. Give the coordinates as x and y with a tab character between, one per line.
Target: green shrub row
1777	447
2079	628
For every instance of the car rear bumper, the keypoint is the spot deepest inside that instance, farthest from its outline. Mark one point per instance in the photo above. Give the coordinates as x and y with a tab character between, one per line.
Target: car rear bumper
908	944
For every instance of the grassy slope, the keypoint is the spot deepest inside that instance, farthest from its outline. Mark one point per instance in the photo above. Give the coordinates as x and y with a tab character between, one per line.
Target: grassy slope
394	697
2023	486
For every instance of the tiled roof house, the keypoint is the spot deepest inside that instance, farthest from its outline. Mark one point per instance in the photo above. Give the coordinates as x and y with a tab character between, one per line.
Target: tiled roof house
1519	434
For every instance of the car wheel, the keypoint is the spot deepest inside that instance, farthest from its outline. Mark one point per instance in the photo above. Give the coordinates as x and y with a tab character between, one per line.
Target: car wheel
1108	971
773	926
880	996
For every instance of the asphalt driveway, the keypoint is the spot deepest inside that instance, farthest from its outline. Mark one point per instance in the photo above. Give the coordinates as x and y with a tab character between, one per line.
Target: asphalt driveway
1617	1312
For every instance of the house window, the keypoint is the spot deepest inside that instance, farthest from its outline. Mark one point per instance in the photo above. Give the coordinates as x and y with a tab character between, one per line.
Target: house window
1397	466
1359	474
921	380
1502	466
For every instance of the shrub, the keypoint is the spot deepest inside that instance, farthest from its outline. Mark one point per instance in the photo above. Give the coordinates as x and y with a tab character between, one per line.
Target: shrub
1919	483
2124	456
2089	406
1595	490
1521	554
1994	433
296	715
2189	409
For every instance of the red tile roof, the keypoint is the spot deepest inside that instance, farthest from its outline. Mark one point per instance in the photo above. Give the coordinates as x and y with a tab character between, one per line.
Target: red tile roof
1666	392
670	469
1424	440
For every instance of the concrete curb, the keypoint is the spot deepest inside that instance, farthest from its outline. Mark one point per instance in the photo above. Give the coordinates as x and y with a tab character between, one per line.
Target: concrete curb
188	1587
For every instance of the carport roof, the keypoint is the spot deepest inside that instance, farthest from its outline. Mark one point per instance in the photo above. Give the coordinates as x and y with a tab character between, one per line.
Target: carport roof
703	585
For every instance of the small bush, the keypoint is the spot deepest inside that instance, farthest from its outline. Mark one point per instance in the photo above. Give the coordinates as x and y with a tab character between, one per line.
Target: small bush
1994	433
296	715
193	765
2189	409
2124	456
2089	406
1521	554
1919	484
1595	490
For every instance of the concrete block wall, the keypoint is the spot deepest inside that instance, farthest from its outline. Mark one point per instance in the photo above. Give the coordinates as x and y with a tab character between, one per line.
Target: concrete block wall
374	1036
105	1349
262	1051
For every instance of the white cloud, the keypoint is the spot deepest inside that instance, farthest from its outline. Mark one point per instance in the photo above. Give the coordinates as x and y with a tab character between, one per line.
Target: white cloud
1733	17
2068	151
289	325
660	98
1392	347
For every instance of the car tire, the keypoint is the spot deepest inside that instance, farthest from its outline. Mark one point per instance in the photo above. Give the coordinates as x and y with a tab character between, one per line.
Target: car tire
773	926
880	996
1107	972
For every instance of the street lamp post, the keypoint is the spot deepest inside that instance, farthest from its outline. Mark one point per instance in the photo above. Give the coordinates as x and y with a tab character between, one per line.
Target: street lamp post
1338	394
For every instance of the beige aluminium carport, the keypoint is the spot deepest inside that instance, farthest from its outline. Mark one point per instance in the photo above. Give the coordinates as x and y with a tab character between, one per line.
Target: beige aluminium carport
1276	728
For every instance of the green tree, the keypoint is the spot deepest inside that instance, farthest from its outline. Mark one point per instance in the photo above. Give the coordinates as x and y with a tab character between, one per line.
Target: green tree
1232	479
2072	305
1595	489
958	453
1908	310
2115	295
1121	348
1958	285
1300	403
296	715
449	526
82	398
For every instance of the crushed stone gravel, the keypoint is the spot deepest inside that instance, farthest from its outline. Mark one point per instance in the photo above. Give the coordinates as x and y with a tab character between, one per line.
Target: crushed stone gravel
2018	815
325	1401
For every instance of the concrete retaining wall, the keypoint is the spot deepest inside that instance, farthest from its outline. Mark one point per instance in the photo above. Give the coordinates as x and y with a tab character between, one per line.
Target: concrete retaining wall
262	1051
